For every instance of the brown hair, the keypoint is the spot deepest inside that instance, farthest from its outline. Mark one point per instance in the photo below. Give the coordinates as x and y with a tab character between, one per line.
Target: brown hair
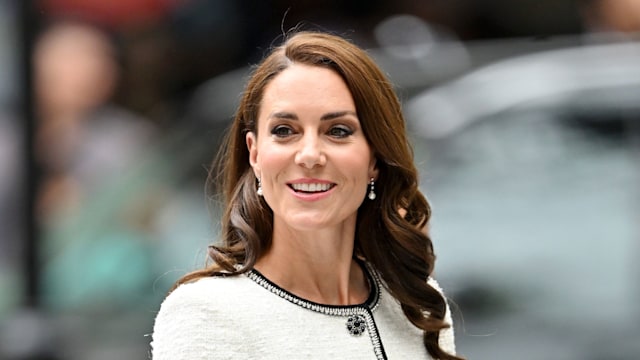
390	240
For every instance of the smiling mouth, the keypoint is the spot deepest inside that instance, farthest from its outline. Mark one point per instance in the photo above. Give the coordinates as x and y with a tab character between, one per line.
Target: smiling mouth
311	188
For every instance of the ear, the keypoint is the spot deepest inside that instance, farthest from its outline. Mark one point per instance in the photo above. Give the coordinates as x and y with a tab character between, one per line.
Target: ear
373	168
252	146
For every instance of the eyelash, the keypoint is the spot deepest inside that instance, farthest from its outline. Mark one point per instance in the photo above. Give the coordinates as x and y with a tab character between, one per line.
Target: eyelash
344	131
338	131
278	131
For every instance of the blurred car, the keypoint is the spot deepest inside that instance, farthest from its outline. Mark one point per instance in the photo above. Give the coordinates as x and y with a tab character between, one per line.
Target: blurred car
531	165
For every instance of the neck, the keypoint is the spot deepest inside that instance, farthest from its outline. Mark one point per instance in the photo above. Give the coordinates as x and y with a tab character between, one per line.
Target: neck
316	265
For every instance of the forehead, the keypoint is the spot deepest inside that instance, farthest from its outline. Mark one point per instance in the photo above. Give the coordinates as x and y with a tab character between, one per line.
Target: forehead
306	87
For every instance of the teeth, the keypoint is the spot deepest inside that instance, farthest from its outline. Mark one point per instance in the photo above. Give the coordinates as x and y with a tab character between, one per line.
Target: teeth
311	187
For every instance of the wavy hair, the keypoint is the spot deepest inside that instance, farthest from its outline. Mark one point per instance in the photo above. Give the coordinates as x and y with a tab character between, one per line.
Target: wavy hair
389	230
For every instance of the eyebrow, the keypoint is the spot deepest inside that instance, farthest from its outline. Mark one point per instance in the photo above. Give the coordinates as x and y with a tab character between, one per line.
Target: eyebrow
328	116
337	114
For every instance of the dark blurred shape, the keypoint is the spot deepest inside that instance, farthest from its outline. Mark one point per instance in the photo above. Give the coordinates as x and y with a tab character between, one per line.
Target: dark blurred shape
29	173
25	334
28	335
479	299
115	13
492	19
13	109
10	200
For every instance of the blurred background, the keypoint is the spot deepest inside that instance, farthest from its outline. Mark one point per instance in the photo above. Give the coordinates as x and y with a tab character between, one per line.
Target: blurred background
524	117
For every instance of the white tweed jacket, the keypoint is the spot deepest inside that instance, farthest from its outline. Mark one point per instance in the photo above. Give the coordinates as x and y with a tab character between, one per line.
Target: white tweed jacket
249	317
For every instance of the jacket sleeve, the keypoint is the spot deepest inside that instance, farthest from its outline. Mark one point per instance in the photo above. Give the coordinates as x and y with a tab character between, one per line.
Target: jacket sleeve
447	336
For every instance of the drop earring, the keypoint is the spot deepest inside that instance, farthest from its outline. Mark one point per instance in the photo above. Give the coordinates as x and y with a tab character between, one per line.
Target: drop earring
372	193
259	191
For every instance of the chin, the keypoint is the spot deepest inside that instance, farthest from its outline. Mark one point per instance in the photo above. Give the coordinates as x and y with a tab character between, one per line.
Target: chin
314	221
306	224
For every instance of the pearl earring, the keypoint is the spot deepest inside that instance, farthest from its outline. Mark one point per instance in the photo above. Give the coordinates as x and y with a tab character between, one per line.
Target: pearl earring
372	194
259	191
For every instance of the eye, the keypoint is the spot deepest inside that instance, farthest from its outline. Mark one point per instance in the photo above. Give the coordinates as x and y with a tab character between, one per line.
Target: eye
281	131
340	131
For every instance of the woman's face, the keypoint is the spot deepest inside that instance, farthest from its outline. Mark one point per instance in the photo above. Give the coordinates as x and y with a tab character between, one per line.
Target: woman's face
310	152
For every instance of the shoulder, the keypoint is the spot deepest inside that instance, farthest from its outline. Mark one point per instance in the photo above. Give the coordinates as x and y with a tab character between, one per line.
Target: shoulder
434	284
211	296
205	290
447	336
194	313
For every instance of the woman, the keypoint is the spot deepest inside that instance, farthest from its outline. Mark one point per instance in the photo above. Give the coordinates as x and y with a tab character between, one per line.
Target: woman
322	252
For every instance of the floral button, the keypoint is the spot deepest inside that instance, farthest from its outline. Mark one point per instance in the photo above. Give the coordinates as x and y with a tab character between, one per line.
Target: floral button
356	324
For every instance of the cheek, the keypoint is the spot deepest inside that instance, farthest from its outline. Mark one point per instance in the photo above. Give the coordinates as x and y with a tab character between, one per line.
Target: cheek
357	165
272	160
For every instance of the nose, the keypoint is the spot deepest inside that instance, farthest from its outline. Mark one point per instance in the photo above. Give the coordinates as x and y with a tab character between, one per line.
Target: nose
310	154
